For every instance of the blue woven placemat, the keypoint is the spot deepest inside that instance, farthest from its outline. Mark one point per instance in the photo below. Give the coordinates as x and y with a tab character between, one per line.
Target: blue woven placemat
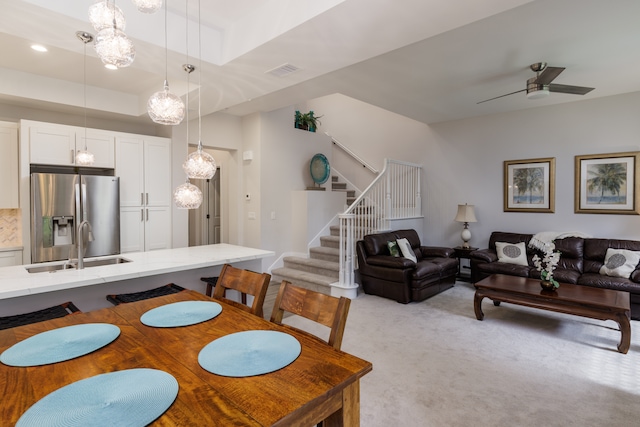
60	344
181	314
249	353
133	397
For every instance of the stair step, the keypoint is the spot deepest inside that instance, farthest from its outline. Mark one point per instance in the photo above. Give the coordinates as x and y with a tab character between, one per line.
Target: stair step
339	186
315	266
330	241
325	254
304	279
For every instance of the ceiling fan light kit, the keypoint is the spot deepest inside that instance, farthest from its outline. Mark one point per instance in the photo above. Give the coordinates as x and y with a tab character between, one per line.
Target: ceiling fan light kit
540	86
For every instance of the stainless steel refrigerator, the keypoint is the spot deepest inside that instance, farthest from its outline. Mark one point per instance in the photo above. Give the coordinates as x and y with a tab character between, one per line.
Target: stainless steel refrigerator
61	202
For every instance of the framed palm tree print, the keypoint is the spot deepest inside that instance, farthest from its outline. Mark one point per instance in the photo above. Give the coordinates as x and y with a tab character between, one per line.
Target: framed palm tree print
529	185
607	183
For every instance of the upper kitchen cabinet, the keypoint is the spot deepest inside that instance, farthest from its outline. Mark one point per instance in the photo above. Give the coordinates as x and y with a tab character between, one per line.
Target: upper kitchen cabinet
54	144
9	166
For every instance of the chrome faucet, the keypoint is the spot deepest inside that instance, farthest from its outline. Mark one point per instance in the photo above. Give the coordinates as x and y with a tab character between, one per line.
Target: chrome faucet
80	242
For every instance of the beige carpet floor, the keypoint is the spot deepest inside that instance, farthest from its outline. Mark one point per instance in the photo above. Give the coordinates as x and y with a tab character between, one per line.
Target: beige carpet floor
434	364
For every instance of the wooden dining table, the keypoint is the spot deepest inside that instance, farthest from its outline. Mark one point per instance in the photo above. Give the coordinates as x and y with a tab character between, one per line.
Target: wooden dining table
321	384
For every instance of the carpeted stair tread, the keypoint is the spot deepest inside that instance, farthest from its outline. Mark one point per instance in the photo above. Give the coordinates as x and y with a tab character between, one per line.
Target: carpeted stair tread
315	266
325	254
304	279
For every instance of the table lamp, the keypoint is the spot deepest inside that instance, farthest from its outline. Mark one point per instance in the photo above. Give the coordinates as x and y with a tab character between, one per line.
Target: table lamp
465	215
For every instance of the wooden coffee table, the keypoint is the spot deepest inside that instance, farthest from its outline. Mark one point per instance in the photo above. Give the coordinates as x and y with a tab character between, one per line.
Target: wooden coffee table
585	301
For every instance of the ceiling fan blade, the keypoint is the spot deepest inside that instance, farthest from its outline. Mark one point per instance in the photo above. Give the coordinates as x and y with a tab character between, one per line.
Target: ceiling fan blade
501	96
548	75
574	90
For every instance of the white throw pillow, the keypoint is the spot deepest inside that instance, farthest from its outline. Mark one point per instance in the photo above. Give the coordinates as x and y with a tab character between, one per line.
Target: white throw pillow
512	253
620	263
406	250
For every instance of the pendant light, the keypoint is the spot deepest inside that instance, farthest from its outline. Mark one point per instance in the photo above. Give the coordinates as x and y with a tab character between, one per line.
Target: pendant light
101	14
187	195
113	46
200	164
84	157
148	6
164	107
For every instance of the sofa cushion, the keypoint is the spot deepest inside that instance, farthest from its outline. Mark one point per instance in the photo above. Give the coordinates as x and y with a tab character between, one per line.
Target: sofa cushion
406	249
512	253
620	263
376	244
504	268
393	248
503	236
595	251
617	283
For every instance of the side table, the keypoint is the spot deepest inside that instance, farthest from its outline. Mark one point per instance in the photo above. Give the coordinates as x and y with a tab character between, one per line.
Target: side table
463	253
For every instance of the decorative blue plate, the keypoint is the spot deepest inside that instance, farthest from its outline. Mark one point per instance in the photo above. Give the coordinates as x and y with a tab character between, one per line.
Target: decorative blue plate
249	353
181	314
133	397
60	344
319	168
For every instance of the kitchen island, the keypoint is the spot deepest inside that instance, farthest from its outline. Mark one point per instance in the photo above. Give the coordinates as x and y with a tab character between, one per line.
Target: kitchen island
21	291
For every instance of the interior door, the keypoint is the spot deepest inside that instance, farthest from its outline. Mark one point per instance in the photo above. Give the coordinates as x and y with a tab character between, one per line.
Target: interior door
205	222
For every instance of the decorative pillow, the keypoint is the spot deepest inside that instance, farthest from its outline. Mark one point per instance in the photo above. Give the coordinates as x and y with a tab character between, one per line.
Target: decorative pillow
393	249
512	253
620	263
406	250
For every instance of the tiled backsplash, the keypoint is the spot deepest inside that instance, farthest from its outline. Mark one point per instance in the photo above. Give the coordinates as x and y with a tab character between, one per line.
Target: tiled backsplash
10	228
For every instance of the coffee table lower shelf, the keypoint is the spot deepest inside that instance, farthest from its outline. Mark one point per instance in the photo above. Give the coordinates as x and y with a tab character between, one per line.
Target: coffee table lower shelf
594	303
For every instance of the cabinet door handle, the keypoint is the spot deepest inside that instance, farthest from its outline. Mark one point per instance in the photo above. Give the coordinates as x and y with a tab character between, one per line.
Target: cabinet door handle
141	215
142	198
73	157
147	198
147	214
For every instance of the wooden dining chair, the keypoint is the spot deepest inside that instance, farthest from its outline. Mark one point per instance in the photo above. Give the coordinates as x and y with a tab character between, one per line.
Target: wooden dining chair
246	282
324	309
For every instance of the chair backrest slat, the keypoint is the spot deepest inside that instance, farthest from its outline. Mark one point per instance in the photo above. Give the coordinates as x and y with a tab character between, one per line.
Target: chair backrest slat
243	281
324	309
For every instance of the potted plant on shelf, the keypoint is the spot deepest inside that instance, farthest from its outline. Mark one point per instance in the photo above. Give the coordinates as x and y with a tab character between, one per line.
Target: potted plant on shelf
307	121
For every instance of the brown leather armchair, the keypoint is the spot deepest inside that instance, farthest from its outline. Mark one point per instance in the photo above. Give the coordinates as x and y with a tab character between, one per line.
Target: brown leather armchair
400	278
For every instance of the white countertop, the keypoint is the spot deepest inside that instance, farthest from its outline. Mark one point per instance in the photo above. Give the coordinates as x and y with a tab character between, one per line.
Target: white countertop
15	281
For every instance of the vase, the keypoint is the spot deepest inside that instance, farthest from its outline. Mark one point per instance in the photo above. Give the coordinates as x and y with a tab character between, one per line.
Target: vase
547	285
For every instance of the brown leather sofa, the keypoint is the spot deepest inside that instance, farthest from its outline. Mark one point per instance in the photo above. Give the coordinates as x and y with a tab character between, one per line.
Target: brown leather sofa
400	278
580	263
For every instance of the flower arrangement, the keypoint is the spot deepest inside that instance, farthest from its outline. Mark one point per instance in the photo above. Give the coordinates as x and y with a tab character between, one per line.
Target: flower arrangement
547	264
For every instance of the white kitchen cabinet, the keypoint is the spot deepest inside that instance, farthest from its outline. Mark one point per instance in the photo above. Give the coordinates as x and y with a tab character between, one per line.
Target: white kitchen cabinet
9	258
144	167
54	144
9	166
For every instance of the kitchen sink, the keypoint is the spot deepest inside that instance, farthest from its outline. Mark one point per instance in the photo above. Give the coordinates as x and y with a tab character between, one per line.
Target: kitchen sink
52	268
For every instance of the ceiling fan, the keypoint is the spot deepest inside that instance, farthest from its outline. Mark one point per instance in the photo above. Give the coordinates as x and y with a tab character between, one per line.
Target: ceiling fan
540	85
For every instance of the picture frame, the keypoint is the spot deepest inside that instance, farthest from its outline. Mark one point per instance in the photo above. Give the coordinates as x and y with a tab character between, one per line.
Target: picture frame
529	185
607	183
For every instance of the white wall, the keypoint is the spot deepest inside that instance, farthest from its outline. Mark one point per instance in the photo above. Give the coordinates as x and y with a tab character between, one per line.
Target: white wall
465	165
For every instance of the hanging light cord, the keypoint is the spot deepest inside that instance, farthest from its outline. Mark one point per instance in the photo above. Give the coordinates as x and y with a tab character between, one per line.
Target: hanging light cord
84	95
187	70
199	80
166	50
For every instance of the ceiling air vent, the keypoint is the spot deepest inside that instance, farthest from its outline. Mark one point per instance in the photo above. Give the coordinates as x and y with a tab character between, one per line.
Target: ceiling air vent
283	70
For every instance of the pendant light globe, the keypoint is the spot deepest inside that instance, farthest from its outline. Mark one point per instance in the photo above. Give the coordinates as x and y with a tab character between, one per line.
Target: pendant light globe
84	158
200	164
187	196
114	48
148	6
165	108
102	14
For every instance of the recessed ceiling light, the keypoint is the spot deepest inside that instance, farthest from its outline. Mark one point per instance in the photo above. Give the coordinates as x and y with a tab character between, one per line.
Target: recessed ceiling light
38	47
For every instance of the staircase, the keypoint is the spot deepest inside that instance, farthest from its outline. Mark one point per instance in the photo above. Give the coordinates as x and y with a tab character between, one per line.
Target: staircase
316	272
322	267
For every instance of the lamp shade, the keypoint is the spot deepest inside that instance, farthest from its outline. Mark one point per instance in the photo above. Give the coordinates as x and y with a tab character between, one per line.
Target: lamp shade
465	214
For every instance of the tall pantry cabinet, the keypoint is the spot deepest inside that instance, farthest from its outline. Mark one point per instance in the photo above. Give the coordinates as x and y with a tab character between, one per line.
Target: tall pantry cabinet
144	167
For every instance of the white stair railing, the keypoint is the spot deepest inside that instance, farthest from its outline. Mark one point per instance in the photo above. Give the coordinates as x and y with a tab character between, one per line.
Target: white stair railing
394	194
